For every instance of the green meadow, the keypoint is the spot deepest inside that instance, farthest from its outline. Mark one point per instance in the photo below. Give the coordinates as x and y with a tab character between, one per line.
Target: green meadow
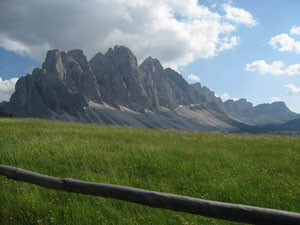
256	170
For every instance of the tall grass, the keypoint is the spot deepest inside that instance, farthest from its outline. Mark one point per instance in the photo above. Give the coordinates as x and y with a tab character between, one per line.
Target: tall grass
260	171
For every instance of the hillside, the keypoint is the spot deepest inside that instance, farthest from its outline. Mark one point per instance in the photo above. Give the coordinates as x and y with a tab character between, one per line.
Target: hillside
254	170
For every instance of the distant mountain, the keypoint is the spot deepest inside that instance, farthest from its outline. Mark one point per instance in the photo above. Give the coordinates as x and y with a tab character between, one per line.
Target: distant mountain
244	112
112	88
292	126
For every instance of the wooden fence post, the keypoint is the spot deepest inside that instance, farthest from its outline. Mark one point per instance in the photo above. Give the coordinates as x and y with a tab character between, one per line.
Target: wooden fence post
226	211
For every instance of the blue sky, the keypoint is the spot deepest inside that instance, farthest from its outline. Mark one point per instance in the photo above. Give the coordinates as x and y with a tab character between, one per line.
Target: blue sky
212	41
226	73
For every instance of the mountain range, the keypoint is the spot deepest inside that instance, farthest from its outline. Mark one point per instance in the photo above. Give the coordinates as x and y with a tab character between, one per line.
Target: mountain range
112	88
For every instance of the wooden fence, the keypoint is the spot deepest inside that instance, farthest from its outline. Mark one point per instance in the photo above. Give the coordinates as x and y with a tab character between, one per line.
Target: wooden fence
226	211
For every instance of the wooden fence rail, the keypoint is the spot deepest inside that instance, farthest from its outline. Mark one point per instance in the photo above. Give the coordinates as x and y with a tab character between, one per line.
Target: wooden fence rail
232	212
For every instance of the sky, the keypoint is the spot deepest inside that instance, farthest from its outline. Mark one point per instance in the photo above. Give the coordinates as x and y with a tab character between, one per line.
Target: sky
237	48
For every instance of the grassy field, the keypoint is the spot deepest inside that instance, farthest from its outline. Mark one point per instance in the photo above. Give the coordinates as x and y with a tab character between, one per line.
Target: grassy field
260	171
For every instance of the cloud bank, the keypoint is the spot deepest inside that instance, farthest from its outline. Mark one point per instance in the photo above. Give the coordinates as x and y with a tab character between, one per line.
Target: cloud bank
225	96
295	30
283	43
237	15
7	87
275	68
194	78
275	99
292	89
176	32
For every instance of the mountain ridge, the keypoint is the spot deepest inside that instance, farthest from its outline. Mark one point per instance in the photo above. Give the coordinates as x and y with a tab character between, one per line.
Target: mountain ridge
112	88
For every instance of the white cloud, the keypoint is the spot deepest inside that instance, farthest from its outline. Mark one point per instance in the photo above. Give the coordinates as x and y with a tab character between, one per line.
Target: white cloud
225	97
275	99
229	43
194	77
292	89
295	30
7	87
276	68
239	16
176	32
283	42
23	49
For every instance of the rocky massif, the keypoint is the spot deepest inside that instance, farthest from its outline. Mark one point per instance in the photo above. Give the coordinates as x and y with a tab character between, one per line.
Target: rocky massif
112	88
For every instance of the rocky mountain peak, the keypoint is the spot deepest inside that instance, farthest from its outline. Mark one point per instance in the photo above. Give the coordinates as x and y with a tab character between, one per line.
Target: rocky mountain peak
101	64
76	53
54	63
177	78
73	69
151	61
241	105
80	58
208	97
121	56
197	85
121	79
152	65
273	107
279	104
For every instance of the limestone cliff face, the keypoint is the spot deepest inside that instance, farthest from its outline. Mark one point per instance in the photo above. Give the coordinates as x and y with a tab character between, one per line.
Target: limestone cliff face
43	95
208	98
168	86
150	68
122	82
111	83
158	87
73	69
112	88
63	85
